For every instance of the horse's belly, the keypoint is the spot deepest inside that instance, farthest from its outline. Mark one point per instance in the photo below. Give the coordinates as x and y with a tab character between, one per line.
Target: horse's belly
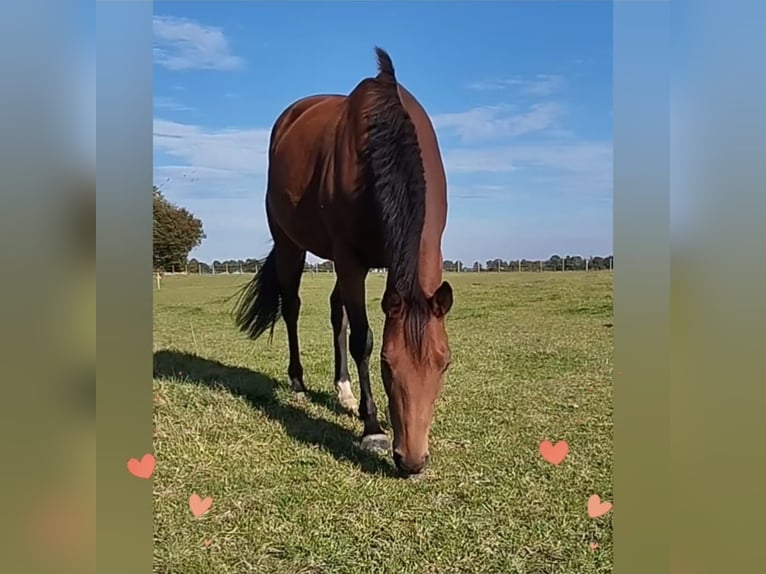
314	241
301	222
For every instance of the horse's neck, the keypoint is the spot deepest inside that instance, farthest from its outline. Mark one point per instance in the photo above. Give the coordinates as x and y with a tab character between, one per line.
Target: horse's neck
430	256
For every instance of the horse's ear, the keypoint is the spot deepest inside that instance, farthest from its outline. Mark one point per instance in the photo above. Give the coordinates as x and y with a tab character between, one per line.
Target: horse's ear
441	300
392	304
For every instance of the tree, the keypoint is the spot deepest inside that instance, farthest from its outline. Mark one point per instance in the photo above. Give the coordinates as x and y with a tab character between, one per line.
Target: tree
554	263
496	265
598	263
175	233
576	262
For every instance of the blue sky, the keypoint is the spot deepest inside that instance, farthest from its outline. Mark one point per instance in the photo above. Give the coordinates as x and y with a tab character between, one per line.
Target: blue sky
519	92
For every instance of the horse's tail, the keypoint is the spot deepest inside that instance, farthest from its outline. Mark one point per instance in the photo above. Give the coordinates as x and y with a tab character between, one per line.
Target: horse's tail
259	304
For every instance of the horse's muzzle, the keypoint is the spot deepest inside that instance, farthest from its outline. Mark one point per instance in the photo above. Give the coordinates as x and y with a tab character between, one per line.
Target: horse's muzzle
410	467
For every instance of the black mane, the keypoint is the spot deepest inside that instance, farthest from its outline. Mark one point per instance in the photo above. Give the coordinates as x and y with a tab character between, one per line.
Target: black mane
395	169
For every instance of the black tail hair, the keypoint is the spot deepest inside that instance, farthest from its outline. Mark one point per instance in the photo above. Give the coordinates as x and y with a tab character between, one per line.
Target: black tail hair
259	305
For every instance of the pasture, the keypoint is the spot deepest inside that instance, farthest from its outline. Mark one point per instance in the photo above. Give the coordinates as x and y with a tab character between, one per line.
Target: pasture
293	493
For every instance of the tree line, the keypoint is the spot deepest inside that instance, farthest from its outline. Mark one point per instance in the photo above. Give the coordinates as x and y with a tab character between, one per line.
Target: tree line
176	232
553	263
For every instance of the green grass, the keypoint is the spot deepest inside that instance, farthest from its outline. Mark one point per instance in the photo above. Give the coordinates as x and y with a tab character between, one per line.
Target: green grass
293	493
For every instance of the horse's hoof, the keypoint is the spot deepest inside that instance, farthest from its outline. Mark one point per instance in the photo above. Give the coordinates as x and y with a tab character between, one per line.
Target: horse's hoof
297	386
376	443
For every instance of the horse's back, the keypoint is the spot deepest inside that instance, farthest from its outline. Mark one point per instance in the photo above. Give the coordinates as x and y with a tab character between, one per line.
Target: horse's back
301	140
305	117
299	153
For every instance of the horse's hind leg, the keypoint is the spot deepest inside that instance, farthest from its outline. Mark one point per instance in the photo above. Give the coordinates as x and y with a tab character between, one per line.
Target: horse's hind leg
339	321
290	262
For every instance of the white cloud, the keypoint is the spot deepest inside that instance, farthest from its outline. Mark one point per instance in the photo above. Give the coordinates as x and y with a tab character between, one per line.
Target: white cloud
580	156
471	192
493	122
241	151
182	44
162	102
578	168
234	161
540	85
236	228
184	182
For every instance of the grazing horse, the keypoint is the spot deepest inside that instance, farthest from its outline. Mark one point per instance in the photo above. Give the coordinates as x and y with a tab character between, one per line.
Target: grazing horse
358	179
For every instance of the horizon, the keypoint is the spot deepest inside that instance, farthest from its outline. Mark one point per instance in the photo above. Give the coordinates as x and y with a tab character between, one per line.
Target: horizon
445	260
520	99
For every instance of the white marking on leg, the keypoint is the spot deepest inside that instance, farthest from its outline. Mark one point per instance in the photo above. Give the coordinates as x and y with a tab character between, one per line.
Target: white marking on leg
346	397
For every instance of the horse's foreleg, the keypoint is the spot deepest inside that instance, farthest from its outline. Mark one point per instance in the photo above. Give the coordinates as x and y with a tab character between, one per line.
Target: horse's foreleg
339	320
351	278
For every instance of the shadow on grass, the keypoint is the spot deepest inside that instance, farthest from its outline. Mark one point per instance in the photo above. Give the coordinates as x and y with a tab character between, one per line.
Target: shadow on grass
260	392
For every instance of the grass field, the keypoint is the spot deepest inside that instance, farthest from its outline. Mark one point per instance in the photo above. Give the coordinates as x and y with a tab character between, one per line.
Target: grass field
293	493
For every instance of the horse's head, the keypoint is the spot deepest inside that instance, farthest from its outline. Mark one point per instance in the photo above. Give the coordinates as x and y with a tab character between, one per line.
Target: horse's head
415	355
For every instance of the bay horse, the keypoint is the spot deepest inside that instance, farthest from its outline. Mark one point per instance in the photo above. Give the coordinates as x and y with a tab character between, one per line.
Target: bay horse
358	179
